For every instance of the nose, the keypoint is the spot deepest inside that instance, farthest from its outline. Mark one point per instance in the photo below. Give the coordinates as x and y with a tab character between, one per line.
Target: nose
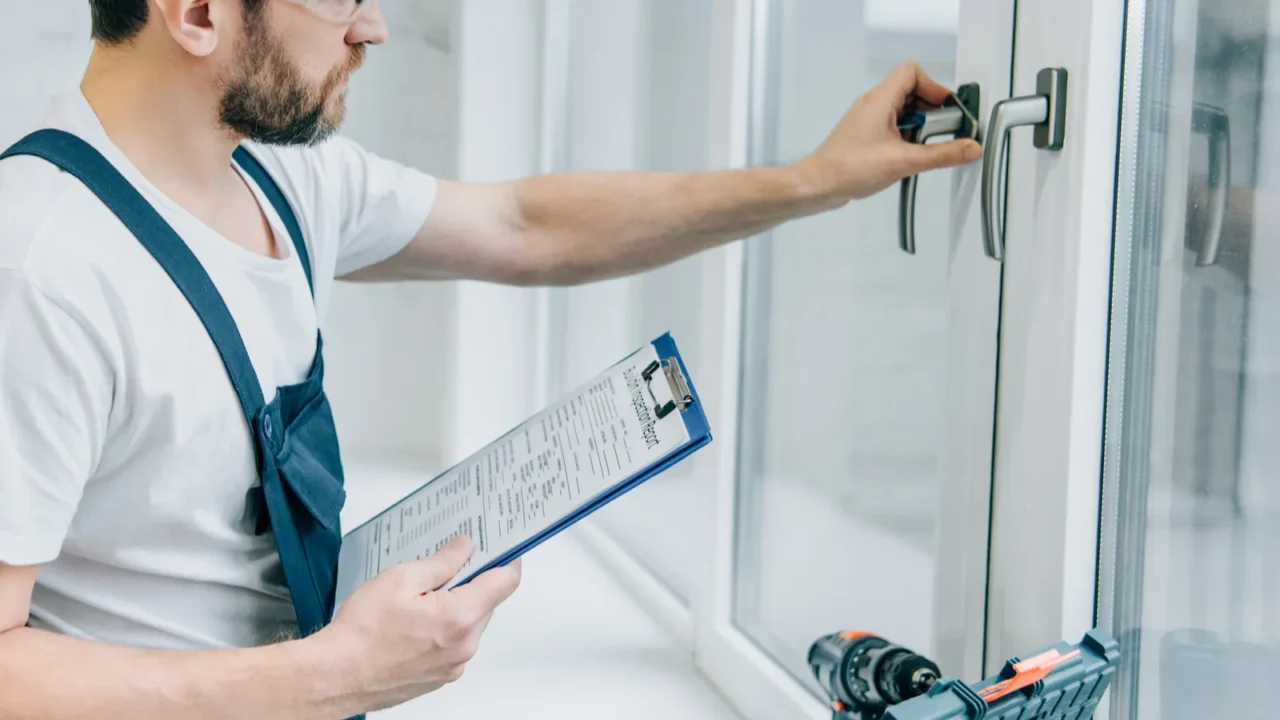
369	26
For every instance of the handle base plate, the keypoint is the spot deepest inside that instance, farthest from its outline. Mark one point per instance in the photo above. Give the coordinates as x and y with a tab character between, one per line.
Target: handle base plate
1052	84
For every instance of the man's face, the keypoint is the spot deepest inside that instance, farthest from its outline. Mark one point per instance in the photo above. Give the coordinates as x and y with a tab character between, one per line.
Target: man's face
288	93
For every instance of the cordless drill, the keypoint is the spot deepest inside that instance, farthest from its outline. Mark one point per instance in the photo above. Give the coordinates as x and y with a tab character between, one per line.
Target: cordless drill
865	674
869	678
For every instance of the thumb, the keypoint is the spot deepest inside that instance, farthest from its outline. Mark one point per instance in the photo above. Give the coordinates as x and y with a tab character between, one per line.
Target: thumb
946	154
432	572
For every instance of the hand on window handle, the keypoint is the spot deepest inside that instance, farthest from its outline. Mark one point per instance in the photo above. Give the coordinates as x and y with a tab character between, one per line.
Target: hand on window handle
866	153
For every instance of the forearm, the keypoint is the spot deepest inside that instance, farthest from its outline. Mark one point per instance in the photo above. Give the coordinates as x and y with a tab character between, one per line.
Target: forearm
582	227
570	228
50	676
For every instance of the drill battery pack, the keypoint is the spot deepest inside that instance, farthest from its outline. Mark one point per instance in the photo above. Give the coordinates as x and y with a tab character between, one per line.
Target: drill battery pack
1061	682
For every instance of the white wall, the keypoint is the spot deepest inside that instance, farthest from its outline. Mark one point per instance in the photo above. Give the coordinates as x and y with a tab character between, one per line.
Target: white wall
40	60
605	125
499	110
389	347
639	99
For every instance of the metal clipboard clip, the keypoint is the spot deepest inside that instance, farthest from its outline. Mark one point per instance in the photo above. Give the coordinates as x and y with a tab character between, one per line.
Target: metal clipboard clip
675	380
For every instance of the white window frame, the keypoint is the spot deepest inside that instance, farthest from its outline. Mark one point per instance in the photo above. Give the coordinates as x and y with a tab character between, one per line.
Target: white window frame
1054	325
1035	474
753	683
757	686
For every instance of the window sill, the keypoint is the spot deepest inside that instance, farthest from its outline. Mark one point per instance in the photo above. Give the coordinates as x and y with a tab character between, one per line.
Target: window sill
570	643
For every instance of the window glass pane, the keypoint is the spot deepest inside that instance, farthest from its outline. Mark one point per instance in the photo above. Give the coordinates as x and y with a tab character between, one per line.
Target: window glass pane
843	374
1193	415
639	102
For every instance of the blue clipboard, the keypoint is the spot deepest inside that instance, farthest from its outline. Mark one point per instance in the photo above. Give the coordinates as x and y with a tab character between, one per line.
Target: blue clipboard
670	370
695	421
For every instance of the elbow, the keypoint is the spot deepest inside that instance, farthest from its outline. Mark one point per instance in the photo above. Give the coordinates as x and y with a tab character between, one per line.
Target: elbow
548	248
550	259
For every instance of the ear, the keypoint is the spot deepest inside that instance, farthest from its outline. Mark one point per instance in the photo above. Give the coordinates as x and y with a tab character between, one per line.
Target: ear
194	24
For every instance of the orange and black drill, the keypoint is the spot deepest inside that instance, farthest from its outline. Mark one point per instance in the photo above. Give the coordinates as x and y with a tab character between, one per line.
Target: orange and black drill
869	678
864	674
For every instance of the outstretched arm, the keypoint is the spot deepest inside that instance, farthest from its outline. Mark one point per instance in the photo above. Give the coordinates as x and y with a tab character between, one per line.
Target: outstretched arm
570	228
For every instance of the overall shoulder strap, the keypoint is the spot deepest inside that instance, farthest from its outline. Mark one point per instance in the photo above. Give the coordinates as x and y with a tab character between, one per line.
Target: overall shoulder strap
83	161
269	187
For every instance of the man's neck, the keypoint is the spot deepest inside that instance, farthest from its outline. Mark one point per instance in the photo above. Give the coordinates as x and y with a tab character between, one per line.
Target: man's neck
167	126
164	122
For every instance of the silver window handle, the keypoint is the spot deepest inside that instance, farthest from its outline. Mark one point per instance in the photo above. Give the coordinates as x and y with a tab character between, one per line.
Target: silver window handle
1047	111
1214	123
958	116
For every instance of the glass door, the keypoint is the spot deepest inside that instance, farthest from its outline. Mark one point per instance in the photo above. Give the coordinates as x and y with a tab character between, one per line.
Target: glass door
1135	474
1191	528
858	475
843	380
912	443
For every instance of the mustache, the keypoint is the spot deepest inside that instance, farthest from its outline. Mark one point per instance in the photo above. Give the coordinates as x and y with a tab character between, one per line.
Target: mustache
356	59
352	64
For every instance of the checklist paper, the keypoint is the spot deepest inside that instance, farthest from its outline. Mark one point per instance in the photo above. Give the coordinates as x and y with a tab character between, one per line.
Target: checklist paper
528	480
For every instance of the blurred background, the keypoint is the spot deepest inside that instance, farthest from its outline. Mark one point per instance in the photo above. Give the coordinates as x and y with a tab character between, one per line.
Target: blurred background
820	350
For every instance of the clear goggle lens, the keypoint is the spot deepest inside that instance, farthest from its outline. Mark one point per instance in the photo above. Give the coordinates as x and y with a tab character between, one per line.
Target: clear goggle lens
335	10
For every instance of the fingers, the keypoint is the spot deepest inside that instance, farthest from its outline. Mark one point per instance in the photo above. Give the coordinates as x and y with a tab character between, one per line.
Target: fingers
430	573
470	607
491	588
933	156
910	79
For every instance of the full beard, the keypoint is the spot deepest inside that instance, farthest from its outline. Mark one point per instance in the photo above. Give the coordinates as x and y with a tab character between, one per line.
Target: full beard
267	100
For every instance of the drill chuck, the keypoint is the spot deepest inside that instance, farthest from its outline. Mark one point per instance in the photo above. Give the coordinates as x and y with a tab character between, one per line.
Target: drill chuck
864	674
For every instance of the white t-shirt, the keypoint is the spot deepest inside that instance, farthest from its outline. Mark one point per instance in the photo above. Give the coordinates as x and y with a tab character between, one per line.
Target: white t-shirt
124	456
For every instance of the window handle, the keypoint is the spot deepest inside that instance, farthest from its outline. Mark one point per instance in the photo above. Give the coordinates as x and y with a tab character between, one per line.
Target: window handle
1213	123
1047	111
1216	126
958	116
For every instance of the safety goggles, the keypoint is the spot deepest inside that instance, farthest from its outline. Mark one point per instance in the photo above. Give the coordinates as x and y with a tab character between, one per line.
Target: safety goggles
335	11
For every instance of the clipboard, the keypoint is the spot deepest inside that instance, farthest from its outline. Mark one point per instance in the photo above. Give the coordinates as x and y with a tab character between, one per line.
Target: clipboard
644	407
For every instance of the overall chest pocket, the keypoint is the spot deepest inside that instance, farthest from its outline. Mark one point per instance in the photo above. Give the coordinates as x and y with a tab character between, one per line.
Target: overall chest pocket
310	463
302	484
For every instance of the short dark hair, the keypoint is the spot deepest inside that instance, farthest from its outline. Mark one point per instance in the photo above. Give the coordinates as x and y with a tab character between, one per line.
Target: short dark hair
116	22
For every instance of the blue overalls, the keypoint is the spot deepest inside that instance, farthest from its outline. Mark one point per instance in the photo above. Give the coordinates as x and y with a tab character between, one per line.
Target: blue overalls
294	437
